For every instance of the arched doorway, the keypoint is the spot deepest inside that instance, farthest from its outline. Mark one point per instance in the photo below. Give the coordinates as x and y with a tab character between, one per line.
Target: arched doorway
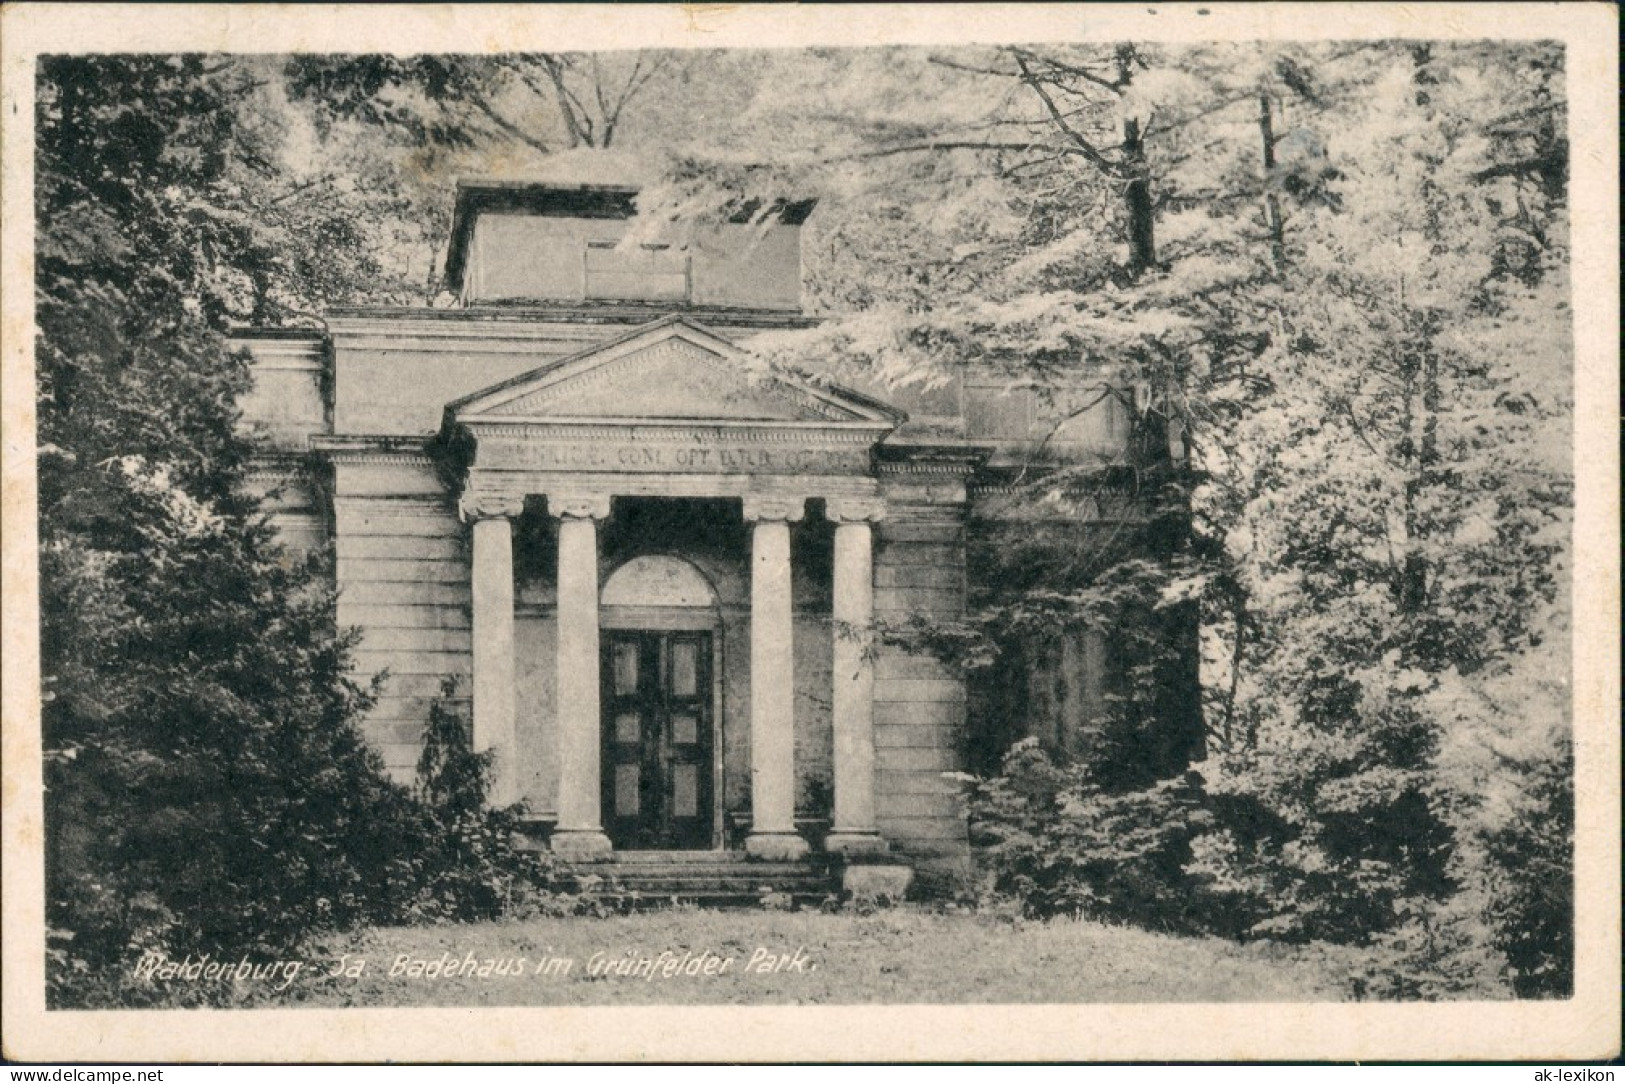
661	632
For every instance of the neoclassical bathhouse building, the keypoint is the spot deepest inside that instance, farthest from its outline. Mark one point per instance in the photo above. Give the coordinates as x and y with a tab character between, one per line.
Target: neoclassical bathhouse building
653	566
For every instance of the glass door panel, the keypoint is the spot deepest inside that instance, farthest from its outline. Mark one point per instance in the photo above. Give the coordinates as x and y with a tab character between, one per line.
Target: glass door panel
658	739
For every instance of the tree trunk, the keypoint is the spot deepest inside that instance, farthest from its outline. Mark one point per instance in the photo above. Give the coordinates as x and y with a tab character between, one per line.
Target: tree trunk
1238	609
1272	200
1141	221
1421	389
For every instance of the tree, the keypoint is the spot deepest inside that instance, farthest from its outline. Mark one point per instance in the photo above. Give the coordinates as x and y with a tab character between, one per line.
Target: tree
1353	256
206	789
544	101
1406	505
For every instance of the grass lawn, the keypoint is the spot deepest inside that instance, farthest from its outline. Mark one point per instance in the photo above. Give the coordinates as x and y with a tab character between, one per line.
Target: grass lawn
896	956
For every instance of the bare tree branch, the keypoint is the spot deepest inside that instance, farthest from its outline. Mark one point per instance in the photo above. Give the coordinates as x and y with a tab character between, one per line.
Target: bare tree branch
635	84
323	180
598	87
636	80
1083	146
576	119
956	66
1115	86
933	145
508	126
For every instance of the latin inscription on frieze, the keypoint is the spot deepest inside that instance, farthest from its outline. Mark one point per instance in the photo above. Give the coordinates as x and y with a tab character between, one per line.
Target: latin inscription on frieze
676	458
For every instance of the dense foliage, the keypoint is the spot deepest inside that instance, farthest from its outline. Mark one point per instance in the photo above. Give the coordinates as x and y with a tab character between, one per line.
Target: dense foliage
1396	521
1335	277
1061	844
469	865
206	790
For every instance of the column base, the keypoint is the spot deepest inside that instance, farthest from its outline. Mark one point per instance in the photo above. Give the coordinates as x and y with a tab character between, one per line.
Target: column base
580	844
855	844
776	846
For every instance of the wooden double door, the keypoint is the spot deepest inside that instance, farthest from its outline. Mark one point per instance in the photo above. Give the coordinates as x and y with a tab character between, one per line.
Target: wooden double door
658	739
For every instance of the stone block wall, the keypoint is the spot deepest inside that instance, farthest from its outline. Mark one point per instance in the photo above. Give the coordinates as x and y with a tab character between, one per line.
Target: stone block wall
403	576
919	700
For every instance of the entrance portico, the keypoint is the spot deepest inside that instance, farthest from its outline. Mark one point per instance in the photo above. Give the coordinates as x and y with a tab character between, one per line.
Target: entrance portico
672	411
602	537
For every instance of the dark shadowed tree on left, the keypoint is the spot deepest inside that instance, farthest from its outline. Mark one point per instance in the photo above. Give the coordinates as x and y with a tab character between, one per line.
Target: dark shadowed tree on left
206	789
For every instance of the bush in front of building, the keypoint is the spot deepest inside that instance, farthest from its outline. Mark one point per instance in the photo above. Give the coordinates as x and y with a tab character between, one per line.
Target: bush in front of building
473	865
1182	857
151	862
1050	837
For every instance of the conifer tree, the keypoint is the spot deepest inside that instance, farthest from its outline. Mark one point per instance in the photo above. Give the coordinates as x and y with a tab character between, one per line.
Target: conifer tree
206	788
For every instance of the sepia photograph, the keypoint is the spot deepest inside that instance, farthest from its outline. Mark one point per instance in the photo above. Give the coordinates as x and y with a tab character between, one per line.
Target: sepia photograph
1072	510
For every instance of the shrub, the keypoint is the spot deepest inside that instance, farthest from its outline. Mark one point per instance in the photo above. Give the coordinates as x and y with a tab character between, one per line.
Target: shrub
473	867
1531	883
1288	887
206	788
431	854
1054	840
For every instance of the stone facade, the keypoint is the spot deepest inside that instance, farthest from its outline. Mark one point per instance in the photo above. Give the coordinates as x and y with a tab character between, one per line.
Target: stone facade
652	569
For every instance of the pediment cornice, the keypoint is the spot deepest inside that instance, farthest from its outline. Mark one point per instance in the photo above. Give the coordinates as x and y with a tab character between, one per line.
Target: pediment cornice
671	398
668	371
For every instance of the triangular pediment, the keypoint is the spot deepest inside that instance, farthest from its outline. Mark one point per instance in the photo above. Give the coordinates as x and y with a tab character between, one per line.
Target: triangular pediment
671	370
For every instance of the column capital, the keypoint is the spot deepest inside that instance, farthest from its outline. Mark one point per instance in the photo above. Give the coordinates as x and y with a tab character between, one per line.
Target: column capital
854	509
775	509
473	506
578	505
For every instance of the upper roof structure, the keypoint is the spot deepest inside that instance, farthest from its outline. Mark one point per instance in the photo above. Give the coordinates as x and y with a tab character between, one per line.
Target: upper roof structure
551	199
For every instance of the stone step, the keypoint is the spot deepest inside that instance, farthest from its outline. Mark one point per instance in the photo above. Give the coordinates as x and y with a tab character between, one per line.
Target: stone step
716	878
638	858
633	879
657	875
706	886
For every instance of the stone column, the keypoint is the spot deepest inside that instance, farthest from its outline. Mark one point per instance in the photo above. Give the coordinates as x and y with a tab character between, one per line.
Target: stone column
579	832
853	830
492	581
772	681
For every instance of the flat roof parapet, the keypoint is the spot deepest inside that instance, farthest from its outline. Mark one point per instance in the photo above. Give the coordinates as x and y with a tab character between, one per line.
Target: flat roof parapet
574	312
477	196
